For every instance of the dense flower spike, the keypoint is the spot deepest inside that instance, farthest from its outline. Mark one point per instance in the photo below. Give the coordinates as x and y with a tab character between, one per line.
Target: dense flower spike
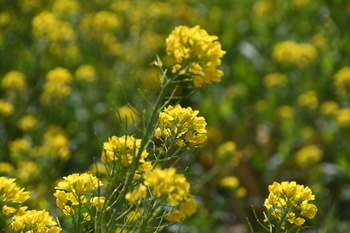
181	124
197	52
122	149
289	201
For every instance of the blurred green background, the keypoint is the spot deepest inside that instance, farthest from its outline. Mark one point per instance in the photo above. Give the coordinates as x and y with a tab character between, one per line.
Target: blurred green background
69	70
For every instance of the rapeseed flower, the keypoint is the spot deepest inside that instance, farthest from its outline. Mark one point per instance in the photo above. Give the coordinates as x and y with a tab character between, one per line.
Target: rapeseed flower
341	79
10	192
308	155
169	184
328	108
293	53
14	80
287	203
6	108
181	124
27	122
122	149
342	117
35	221
308	99
275	79
196	52
86	73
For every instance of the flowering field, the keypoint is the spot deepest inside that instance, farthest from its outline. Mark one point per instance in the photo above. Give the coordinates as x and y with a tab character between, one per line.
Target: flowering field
174	116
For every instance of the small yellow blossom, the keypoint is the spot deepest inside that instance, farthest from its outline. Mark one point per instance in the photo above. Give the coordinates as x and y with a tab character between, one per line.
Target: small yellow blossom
28	122
98	202
135	195
183	124
275	79
19	146
14	80
328	108
285	111
197	47
122	149
35	221
127	114
9	191
342	117
175	216
168	183
229	182
263	7
79	183
297	4
288	201
308	99
308	155
86	73
292	53
341	79
6	108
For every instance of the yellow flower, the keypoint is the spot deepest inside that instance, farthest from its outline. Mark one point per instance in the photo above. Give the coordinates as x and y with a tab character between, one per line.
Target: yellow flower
285	111
341	79
297	4
35	221
196	47
127	114
6	108
122	149
308	155
229	182
135	195
98	202
27	122
14	80
175	216
167	183
188	207
262	7
9	191
328	108
289	201
308	99
79	184
275	79
292	53
342	117
183	124
19	146
86	73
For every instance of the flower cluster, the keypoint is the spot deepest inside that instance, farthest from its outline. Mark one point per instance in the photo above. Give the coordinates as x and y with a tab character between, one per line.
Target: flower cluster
341	79
122	149
74	190
181	124
196	52
34	221
293	53
10	192
288	203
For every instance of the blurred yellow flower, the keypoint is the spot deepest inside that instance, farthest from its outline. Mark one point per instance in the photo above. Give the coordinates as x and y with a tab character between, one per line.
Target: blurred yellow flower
14	80
342	117
19	146
308	155
262	7
86	73
229	182
183	124
195	51
6	168
127	114
292	53
6	108
297	4
27	122
308	99
62	8
275	79
341	79
328	108
285	111
136	194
